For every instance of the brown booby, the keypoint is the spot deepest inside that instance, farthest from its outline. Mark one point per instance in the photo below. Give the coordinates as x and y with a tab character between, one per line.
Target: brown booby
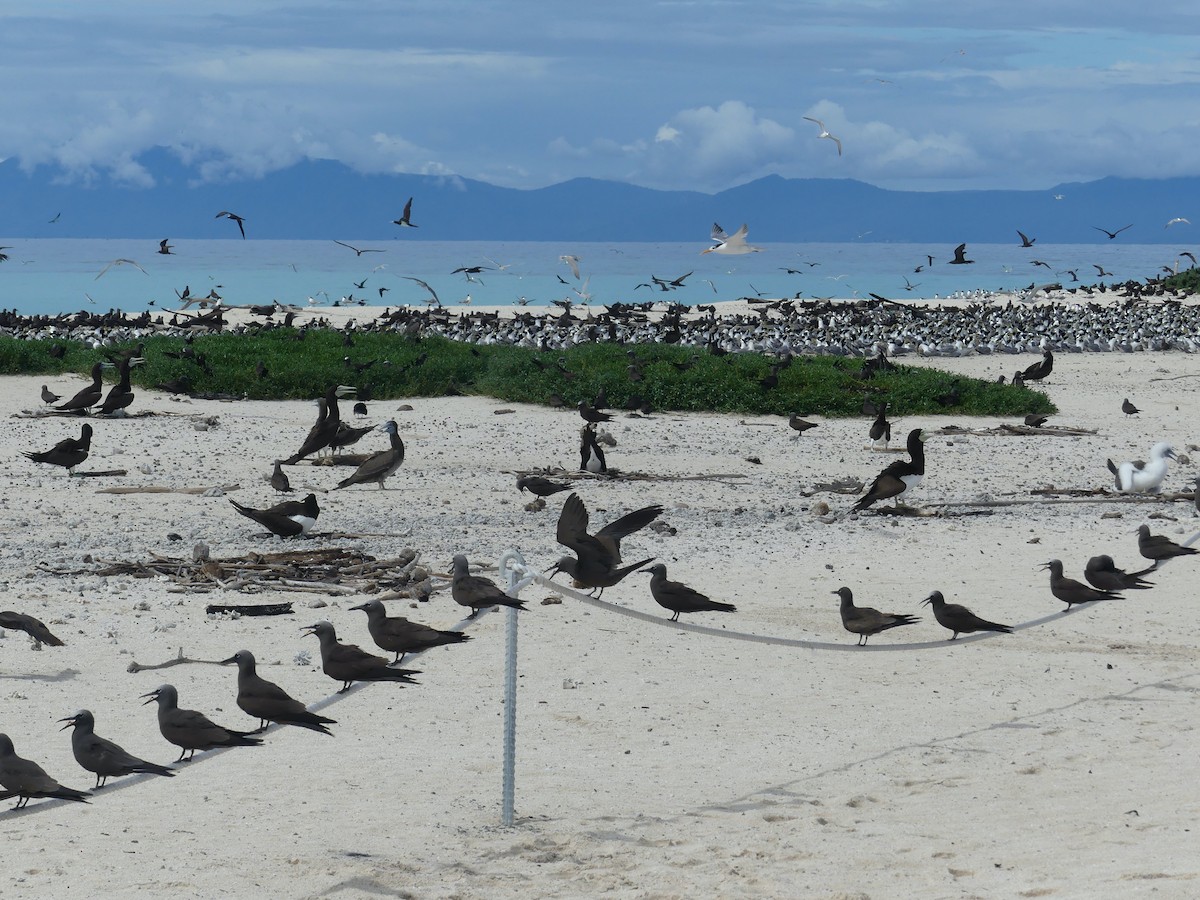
68	453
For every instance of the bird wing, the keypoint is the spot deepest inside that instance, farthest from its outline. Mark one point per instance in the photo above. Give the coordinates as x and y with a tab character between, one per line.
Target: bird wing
573	523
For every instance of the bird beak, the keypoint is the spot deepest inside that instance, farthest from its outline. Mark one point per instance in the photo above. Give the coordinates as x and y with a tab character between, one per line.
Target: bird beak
231	659
928	599
360	606
153	695
70	720
309	629
1044	565
1171	454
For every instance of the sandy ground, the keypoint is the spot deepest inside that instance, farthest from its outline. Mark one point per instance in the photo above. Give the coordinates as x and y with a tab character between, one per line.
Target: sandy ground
652	762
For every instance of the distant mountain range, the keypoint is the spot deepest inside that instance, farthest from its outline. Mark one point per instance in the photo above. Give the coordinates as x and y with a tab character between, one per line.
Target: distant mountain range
321	199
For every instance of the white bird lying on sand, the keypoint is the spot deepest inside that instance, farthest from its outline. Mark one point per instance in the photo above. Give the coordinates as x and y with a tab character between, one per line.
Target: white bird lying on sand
1138	477
731	244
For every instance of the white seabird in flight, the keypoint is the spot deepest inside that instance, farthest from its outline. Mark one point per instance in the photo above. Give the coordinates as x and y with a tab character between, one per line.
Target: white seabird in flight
731	244
825	133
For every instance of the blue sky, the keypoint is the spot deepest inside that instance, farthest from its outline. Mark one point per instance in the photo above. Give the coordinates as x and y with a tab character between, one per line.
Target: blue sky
681	94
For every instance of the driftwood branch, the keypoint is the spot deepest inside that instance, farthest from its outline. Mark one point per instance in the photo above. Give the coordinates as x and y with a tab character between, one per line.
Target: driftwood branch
253	609
160	489
177	661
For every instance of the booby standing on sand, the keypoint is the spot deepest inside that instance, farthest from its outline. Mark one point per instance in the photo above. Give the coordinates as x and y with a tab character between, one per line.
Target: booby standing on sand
89	396
865	621
901	476
380	466
1138	477
730	244
958	618
292	518
68	453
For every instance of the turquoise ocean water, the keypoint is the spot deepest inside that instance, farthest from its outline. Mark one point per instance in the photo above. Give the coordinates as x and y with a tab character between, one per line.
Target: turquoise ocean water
54	276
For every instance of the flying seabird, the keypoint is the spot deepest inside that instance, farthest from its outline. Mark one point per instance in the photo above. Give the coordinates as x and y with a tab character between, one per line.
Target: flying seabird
398	635
164	248
405	216
1025	240
958	618
865	621
68	453
292	518
539	486
190	729
960	256
477	592
101	756
1178	220
1128	408
432	292
598	563
358	252
573	262
26	780
1070	591
1102	573
825	133
1112	234
268	702
349	663
35	628
900	476
1138	477
241	222
380	466
679	598
89	396
731	244
120	262
1158	547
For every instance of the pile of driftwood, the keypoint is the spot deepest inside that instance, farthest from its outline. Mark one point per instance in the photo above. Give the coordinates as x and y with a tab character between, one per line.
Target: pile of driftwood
334	571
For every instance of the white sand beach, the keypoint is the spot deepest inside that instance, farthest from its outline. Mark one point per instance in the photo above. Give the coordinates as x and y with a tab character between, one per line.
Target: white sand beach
652	762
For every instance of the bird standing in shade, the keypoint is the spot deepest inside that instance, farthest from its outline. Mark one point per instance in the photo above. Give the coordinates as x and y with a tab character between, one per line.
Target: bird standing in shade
899	477
349	663
241	222
1102	573
1070	591
1138	477
679	598
380	466
598	563
68	453
1128	408
292	518
190	729
101	756
1158	547
865	621
477	592
268	702
398	635
35	628
958	618
26	780
89	396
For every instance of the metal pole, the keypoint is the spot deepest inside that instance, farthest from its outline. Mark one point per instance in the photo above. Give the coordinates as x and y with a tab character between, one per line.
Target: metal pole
510	699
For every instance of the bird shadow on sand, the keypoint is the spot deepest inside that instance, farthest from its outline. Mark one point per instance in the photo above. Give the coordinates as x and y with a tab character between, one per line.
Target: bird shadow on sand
64	675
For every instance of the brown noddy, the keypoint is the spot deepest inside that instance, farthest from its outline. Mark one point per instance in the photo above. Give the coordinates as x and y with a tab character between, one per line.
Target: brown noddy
958	618
398	635
101	756
190	729
68	453
1070	591
1159	547
292	518
268	702
279	479
599	554
799	425
348	663
899	477
477	592
1128	408
89	396
49	397
865	621
35	628
539	486
378	467
679	598
26	780
1102	573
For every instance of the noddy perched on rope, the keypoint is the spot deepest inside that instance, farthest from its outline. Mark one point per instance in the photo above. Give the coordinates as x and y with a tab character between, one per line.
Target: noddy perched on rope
865	621
679	598
477	592
268	702
958	618
599	554
1102	573
26	780
1070	591
348	663
101	756
398	635
1159	547
190	729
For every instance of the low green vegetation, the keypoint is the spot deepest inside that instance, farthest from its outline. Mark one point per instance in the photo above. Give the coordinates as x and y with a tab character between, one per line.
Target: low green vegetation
301	365
1188	280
